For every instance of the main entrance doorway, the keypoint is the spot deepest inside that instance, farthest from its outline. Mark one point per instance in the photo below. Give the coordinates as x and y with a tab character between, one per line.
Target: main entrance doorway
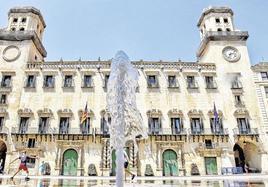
170	164
69	162
211	165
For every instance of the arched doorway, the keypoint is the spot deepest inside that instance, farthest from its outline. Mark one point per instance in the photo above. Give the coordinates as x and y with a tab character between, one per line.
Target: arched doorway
113	170
69	162
247	153
170	164
3	151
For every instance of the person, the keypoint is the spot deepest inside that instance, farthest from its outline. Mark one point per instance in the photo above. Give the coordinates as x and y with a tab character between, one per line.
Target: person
42	168
126	162
23	160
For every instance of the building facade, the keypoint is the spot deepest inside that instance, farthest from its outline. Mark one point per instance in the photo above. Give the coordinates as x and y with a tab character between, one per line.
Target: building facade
202	117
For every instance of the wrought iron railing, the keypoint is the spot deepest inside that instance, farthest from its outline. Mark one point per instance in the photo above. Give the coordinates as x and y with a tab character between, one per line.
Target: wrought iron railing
208	131
245	131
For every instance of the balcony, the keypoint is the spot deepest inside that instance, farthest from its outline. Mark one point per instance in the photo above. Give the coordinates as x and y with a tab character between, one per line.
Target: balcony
30	130
208	150
240	104
246	131
20	146
166	131
6	87
208	131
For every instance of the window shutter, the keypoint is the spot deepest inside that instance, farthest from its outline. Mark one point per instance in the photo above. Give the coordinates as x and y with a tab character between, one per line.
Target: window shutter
83	81
53	81
201	125
248	124
192	124
34	81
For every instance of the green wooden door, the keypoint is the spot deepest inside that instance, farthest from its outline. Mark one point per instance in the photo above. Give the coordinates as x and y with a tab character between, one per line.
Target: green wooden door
211	165
69	163
170	165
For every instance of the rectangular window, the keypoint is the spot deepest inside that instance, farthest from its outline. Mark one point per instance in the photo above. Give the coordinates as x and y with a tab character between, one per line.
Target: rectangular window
68	81
196	126
243	125
216	126
6	81
64	125
106	78
210	83
264	75
1	123
43	125
23	127
49	81
87	81
217	20
154	125
225	20
236	84
266	91
31	143
176	125
238	100
104	125
191	82
172	81
152	81
30	82
3	99
208	144
85	126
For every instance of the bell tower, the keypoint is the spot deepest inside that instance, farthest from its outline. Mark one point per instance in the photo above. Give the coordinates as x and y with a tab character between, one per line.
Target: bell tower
216	19
22	38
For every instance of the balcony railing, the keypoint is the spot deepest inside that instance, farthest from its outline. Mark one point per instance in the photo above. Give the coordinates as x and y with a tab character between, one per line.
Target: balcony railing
211	85
192	85
166	131
246	131
208	131
34	130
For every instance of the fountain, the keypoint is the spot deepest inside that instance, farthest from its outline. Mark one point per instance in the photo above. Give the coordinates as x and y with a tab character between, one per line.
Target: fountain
126	121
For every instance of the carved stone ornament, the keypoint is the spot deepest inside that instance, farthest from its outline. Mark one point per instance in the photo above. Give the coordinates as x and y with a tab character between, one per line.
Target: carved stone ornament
241	112
11	53
231	54
195	112
154	112
65	112
3	112
25	112
175	112
149	170
194	169
45	112
92	170
211	113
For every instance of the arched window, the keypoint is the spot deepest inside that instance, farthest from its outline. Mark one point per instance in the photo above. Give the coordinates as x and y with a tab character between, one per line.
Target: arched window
228	29
219	29
22	29
13	29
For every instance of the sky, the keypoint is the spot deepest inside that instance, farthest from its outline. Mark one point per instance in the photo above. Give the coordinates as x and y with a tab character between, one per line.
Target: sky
145	29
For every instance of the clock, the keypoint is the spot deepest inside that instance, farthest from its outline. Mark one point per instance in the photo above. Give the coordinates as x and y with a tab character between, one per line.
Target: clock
231	54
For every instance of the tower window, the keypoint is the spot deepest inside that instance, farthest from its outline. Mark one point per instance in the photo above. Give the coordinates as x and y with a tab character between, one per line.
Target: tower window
3	99
228	30
219	29
15	20
23	20
13	29
264	75
21	29
266	91
225	20
217	20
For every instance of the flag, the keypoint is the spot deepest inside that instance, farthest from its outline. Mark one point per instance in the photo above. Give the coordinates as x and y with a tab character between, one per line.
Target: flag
216	116
84	115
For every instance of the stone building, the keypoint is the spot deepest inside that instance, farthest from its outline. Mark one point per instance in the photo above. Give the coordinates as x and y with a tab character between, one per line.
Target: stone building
41	104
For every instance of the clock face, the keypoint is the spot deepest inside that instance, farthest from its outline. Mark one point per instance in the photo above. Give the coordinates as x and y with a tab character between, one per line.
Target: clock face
11	53
231	54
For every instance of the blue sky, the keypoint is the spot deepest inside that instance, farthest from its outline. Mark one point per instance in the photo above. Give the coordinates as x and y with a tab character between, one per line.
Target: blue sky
144	29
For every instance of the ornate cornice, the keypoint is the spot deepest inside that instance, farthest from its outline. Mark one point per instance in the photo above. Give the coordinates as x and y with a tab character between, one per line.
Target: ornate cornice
195	112
24	35
65	112
211	113
241	112
175	112
25	112
89	113
221	36
45	112
154	112
262	66
104	65
3	112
